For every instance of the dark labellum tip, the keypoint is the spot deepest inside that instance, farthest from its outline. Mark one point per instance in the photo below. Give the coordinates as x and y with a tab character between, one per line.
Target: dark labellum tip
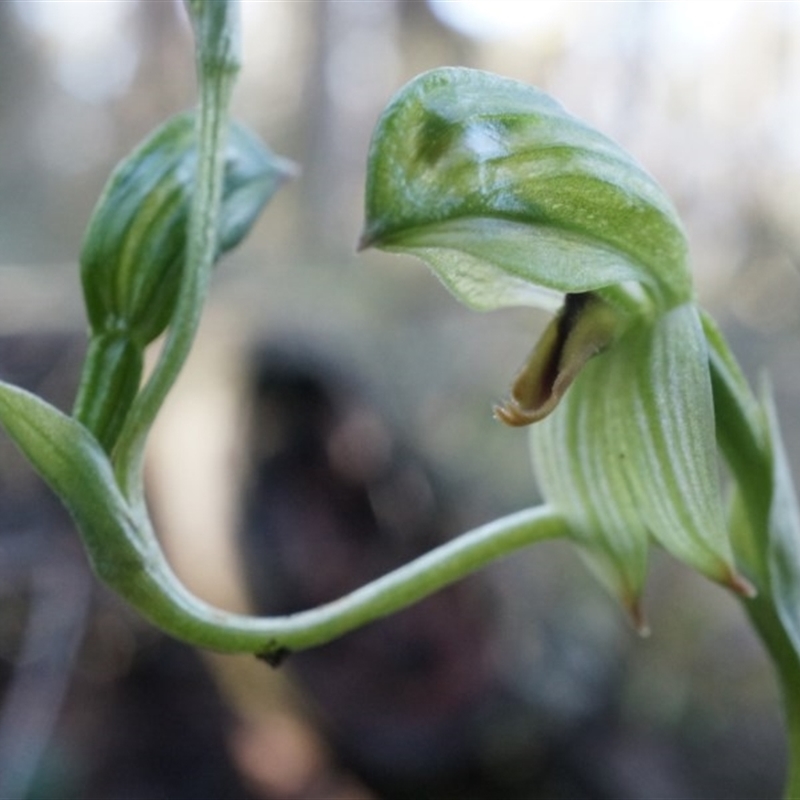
583	328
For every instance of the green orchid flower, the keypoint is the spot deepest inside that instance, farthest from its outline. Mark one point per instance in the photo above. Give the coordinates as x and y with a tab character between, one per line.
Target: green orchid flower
512	201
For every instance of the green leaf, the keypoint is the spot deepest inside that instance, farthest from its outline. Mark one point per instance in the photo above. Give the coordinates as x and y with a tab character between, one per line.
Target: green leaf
509	199
73	464
631	454
134	248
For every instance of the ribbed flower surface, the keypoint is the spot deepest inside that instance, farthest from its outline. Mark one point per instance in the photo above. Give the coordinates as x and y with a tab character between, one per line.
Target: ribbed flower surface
630	454
512	201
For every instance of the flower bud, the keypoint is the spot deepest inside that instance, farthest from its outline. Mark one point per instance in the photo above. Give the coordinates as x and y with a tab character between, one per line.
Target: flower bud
134	248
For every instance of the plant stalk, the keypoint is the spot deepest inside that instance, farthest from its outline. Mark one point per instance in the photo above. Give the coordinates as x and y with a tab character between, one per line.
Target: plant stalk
158	595
745	440
216	79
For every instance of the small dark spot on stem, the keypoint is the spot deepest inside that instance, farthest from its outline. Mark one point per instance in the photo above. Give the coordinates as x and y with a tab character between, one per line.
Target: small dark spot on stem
274	656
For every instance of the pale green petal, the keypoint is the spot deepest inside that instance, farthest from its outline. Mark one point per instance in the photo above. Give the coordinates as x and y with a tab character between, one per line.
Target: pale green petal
631	452
671	410
577	453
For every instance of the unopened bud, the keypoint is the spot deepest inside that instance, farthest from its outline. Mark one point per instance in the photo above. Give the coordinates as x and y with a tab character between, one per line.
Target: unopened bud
134	250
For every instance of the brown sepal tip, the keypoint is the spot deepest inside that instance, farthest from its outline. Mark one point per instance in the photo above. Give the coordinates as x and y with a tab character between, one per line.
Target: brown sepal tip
637	618
737	583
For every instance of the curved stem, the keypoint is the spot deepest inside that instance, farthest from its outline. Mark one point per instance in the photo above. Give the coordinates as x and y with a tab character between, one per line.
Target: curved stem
158	595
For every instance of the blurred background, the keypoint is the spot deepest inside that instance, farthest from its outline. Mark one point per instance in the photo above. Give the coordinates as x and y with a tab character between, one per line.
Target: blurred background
335	420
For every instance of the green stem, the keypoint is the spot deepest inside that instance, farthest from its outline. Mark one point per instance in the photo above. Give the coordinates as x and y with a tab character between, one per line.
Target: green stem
158	595
125	554
786	661
745	440
215	90
139	570
792	705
